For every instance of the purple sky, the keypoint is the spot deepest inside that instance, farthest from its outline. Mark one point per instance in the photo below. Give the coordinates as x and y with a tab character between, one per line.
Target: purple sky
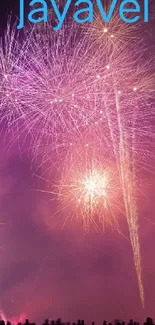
47	272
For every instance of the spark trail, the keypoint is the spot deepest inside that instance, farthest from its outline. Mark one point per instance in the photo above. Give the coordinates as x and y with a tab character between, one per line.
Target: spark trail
128	186
111	36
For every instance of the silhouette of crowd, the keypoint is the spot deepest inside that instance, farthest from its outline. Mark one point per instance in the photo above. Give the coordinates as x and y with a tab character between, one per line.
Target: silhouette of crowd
148	321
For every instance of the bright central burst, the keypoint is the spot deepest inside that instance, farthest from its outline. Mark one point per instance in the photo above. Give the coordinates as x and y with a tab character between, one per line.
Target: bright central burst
95	186
91	193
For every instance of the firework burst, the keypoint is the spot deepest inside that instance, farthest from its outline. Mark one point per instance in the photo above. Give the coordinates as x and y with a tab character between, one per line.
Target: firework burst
88	189
86	97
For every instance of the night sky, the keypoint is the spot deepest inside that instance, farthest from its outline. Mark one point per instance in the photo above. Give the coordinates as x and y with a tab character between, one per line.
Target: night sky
47	272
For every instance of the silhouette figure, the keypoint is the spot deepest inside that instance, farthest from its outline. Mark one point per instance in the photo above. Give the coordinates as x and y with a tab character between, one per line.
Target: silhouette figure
26	322
2	322
46	322
149	321
52	322
131	322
